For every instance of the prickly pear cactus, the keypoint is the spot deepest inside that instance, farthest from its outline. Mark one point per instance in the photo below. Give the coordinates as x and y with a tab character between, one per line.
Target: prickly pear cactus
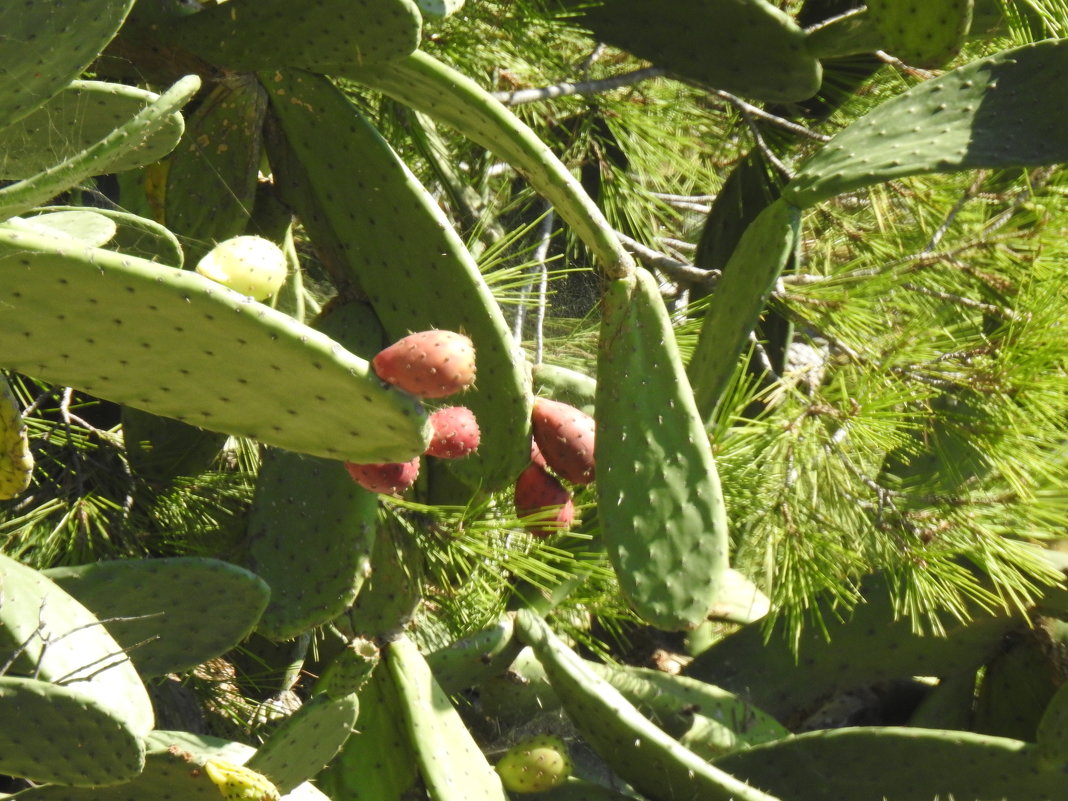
76	33
748	47
661	507
923	34
119	345
251	35
990	113
386	245
149	607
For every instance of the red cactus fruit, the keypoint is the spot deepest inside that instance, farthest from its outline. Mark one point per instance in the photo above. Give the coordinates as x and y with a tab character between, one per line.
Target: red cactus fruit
389	478
565	436
535	490
536	457
428	364
456	433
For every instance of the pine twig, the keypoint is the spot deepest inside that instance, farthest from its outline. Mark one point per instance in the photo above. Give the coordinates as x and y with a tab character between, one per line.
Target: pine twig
678	270
566	88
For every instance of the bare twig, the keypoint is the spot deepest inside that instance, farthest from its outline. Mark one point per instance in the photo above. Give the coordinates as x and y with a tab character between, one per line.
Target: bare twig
749	110
678	270
566	88
959	300
545	235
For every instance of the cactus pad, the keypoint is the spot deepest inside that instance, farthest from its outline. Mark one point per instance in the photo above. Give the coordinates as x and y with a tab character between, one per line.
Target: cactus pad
251	35
143	127
897	764
407	258
306	740
77	118
432	87
63	643
178	612
748	280
923	33
75	34
211	176
748	47
994	112
658	495
52	733
311	528
108	324
644	756
449	759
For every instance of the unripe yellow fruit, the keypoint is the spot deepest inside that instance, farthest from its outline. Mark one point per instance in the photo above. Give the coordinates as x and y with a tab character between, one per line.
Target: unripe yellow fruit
251	265
536	765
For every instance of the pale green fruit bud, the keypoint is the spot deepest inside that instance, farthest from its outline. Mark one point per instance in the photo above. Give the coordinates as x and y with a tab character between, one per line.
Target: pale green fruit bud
250	265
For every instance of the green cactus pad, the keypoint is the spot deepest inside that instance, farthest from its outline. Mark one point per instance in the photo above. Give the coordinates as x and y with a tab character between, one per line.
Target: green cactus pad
377	762
843	35
174	770
311	527
136	132
708	720
429	86
1017	686
393	591
305	741
449	759
46	44
575	789
178	612
251	35
111	326
137	236
80	226
566	385
748	280
748	47
871	645
349	670
661	507
77	118
471	660
922	34
898	764
51	733
994	112
62	642
644	756
211	179
1053	729
407	258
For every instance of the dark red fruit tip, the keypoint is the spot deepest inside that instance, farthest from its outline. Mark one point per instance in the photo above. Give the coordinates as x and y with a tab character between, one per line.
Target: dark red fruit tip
388	478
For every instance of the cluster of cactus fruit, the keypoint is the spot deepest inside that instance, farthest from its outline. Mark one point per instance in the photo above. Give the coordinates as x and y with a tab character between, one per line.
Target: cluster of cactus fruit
429	365
563	443
101	302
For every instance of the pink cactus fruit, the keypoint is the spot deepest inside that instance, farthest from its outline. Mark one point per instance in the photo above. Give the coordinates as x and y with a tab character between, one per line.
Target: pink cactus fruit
565	436
537	490
428	364
536	457
389	478
456	433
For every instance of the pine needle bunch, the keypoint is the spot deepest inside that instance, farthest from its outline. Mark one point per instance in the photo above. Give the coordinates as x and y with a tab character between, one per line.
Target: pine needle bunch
927	427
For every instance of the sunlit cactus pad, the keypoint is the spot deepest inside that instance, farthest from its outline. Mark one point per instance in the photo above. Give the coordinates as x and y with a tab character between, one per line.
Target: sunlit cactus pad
995	112
76	118
176	344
